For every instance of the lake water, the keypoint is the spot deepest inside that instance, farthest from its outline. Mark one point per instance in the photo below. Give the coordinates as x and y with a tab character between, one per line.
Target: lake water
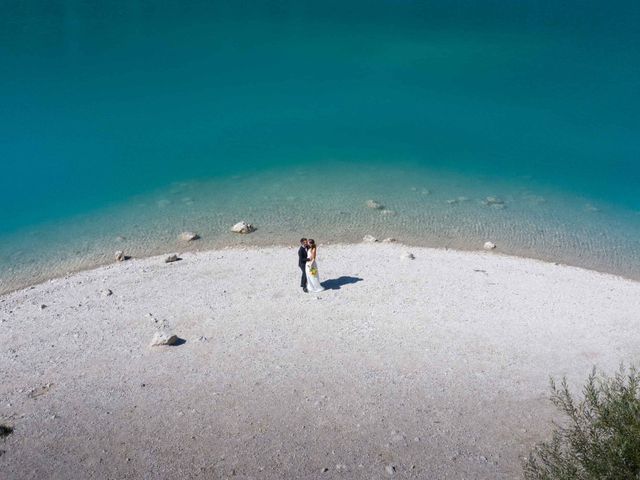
124	123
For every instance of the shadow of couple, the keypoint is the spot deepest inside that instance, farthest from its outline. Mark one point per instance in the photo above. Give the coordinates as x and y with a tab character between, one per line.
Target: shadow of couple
337	283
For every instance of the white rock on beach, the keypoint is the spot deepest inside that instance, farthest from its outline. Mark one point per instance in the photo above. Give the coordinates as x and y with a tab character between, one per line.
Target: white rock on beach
120	256
389	240
243	228
163	338
489	245
408	256
189	236
369	239
374	205
106	292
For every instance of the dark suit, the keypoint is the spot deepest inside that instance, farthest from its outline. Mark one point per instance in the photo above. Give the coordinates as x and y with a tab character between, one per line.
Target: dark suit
302	262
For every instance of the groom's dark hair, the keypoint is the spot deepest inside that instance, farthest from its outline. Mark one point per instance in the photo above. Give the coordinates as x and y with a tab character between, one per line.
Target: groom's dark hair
303	240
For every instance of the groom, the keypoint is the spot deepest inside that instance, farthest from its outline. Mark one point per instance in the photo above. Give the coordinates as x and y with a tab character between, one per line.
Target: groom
302	262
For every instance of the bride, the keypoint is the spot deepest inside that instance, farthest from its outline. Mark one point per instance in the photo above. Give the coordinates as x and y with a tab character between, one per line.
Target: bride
313	279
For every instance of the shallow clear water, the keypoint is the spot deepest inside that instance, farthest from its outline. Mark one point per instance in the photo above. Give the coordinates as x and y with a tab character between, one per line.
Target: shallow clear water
141	119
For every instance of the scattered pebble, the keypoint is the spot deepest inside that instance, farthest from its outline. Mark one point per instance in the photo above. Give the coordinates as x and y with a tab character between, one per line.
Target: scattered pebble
171	258
163	338
489	245
188	236
390	469
106	292
243	228
407	256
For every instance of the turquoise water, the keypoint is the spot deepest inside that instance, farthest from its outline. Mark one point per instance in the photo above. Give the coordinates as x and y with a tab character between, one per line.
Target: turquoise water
138	119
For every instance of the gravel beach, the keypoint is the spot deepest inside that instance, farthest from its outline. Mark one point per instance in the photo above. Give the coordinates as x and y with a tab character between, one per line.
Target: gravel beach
432	367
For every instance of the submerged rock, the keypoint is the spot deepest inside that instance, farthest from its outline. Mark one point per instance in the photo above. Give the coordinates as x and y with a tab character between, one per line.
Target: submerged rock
494	202
489	245
374	205
189	236
590	208
243	228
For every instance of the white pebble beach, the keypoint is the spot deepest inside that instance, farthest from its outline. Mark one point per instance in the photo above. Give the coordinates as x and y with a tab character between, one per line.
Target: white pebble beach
433	367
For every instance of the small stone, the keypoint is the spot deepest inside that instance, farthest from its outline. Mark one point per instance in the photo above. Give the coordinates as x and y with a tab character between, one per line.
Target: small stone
325	470
171	258
374	205
493	201
120	256
390	469
163	338
369	239
43	306
189	236
389	240
407	256
243	228
489	245
106	292
5	430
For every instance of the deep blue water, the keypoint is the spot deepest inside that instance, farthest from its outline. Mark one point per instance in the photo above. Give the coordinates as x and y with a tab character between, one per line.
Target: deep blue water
105	101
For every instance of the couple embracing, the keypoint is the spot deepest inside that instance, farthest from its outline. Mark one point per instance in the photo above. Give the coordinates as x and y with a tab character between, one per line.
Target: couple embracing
307	254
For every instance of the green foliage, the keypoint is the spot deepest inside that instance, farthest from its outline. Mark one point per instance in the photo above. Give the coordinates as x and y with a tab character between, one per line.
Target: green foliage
601	437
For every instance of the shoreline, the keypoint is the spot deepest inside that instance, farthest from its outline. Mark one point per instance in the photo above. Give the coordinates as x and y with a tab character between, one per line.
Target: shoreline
436	366
99	265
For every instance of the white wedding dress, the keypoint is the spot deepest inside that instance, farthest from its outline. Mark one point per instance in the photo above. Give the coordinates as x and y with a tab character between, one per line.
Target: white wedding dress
313	277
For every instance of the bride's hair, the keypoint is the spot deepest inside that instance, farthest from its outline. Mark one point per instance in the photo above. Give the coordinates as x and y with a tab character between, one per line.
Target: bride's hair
312	243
